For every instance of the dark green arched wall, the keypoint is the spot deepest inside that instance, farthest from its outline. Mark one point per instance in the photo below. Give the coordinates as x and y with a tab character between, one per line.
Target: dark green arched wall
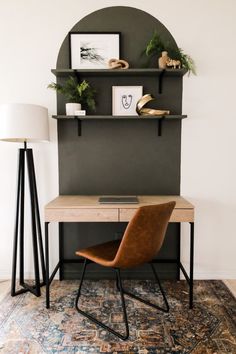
120	157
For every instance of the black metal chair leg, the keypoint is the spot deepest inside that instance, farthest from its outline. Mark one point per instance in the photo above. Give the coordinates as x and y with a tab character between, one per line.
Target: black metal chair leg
117	282
166	309
81	282
94	320
123	304
161	288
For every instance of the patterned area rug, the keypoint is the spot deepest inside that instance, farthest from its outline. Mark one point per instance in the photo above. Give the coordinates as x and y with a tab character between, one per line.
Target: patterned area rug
27	327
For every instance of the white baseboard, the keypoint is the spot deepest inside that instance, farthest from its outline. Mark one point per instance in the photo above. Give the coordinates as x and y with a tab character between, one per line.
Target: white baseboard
6	275
215	275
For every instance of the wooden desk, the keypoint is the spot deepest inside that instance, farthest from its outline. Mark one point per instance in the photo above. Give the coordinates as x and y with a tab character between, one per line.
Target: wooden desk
78	208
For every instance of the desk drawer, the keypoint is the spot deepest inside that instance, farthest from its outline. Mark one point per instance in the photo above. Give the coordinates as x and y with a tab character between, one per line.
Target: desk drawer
126	214
178	215
81	215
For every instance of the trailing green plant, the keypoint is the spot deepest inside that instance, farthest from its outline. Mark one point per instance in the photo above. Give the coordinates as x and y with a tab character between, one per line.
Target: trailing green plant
186	61
76	92
156	45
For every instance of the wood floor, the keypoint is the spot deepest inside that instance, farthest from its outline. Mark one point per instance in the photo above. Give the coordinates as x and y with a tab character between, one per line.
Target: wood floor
231	285
5	286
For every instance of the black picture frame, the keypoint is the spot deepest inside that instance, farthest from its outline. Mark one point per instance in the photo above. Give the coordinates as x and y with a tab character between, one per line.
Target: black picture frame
98	48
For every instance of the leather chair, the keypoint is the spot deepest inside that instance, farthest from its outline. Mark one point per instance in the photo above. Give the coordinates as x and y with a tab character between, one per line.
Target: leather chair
141	241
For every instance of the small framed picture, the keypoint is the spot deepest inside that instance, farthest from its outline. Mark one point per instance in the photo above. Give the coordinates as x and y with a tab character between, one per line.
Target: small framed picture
93	50
124	100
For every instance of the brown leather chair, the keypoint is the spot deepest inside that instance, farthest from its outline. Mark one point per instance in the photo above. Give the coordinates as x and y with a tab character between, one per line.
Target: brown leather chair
142	240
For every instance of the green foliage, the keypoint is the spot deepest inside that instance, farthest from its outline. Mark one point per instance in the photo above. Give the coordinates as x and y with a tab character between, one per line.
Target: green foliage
186	61
76	92
156	45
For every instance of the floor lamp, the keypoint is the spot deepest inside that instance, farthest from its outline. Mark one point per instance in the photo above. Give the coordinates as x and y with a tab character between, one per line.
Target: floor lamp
26	123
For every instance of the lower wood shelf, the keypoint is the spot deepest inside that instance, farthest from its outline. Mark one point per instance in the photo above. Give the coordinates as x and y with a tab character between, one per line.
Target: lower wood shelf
105	117
159	119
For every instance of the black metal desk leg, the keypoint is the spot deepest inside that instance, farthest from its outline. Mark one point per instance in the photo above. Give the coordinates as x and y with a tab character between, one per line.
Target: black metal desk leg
47	266
191	265
61	269
178	252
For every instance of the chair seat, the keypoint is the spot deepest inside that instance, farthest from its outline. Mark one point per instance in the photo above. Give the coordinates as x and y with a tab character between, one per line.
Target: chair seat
103	254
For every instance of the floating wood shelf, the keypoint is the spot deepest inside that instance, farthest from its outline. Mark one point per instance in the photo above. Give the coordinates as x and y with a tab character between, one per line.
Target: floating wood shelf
106	117
126	72
159	119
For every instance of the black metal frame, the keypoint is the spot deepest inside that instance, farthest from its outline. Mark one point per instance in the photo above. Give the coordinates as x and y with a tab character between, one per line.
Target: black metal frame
62	261
122	291
27	154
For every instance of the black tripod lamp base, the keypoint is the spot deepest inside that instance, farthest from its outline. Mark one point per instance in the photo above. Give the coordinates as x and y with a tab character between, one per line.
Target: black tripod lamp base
26	157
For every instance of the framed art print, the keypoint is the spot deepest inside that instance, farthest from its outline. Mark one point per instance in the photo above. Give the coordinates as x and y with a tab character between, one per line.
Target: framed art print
124	100
93	50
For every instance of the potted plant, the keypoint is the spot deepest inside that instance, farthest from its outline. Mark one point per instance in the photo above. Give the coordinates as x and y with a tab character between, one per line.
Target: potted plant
76	93
156	47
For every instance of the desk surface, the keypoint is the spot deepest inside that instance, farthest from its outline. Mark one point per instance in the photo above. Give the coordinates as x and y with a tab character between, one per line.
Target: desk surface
80	208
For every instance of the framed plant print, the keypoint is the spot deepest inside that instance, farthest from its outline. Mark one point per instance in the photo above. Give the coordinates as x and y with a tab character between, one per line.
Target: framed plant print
93	50
124	100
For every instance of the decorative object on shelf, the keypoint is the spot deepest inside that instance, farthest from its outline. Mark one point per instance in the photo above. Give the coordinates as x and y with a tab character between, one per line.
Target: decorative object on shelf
92	50
118	64
71	108
156	47
124	100
148	111
80	112
166	62
77	93
26	123
163	60
173	63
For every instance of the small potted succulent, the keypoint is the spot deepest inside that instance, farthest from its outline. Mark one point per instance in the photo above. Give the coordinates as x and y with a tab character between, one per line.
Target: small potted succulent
168	55
76	93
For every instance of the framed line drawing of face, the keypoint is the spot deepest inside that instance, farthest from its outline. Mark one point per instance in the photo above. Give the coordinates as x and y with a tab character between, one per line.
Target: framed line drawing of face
93	50
124	100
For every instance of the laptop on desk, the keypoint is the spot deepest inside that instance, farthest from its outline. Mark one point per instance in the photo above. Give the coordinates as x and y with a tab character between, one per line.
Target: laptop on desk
118	200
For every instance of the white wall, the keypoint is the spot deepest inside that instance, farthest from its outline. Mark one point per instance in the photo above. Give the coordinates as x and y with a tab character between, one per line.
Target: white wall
31	33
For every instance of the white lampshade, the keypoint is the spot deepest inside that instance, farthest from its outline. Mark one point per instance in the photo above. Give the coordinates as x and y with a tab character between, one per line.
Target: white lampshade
23	122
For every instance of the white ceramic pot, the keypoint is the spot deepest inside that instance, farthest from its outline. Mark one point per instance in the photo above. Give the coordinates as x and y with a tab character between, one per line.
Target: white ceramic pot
71	108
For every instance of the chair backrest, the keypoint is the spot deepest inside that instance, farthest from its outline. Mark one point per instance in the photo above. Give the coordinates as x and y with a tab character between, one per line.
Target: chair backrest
144	235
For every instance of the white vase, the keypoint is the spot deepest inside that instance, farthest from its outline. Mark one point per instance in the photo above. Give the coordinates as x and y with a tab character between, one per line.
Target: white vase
71	108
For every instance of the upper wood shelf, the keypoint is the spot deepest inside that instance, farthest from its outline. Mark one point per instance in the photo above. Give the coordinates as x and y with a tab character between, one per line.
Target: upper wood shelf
111	72
110	117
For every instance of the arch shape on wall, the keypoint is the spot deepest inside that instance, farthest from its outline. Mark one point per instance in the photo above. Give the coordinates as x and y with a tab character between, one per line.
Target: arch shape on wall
119	157
135	34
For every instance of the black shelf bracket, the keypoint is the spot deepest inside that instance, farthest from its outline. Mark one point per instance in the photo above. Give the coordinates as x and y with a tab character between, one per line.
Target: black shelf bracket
159	126
79	126
77	74
160	82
